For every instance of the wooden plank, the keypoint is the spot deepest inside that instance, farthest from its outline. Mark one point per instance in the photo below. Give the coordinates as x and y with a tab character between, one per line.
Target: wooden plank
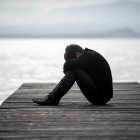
127	86
74	119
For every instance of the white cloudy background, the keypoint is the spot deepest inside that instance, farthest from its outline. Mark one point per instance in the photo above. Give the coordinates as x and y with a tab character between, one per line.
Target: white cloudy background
69	18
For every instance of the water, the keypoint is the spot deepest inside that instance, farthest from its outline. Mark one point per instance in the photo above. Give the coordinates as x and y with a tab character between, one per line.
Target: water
41	60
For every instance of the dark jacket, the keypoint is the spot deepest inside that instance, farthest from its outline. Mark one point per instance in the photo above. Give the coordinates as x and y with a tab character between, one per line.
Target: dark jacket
97	67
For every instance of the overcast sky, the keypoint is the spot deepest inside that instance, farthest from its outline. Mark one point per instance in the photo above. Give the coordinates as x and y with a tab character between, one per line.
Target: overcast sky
66	16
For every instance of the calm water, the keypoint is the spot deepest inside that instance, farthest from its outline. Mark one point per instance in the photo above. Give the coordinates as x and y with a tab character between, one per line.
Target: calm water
41	60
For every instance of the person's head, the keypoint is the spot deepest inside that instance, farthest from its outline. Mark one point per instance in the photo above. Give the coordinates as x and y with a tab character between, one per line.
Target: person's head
73	51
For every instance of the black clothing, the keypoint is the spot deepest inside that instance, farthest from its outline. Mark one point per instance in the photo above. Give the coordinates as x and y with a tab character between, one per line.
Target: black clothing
92	74
97	68
47	100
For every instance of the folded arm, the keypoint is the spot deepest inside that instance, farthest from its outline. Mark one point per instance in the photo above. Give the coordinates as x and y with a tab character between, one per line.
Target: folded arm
76	63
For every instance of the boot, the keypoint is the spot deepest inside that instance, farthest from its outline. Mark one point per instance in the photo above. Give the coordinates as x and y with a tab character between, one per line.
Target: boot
46	101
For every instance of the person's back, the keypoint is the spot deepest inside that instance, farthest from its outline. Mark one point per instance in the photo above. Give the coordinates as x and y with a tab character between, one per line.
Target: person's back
99	70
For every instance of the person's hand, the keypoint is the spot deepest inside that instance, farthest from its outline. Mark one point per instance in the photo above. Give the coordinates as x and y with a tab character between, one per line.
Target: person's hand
78	54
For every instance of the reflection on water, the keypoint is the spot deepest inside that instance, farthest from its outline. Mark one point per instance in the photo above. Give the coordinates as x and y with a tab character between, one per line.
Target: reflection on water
41	60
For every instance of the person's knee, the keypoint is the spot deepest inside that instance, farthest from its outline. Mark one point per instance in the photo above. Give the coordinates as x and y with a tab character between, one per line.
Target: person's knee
70	74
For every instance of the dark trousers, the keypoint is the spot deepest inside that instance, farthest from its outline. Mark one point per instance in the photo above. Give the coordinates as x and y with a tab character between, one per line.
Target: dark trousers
85	83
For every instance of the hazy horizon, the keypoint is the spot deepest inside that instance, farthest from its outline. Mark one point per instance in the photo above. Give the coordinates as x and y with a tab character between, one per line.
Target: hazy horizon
64	18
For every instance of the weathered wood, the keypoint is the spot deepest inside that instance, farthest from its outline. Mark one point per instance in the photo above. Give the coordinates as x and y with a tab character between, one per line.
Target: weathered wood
74	119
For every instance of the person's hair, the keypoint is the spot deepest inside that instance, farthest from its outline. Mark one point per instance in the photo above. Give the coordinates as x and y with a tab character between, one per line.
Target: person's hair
70	51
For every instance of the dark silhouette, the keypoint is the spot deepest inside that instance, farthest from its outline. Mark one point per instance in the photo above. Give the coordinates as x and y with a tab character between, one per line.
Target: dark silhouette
91	72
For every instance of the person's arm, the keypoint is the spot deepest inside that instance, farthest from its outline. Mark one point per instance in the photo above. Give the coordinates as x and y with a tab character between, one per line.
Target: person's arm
76	63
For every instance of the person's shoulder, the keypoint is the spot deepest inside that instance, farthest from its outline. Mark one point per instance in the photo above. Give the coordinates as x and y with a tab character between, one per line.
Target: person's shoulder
94	54
90	51
88	54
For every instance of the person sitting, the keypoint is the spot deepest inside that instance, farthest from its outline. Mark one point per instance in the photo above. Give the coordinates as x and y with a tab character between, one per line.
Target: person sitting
90	70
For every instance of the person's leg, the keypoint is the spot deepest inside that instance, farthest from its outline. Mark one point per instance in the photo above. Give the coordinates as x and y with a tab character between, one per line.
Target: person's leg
86	84
84	81
89	88
63	86
58	92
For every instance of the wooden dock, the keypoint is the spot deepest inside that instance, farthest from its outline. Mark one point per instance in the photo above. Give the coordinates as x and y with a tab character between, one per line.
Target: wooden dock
74	119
